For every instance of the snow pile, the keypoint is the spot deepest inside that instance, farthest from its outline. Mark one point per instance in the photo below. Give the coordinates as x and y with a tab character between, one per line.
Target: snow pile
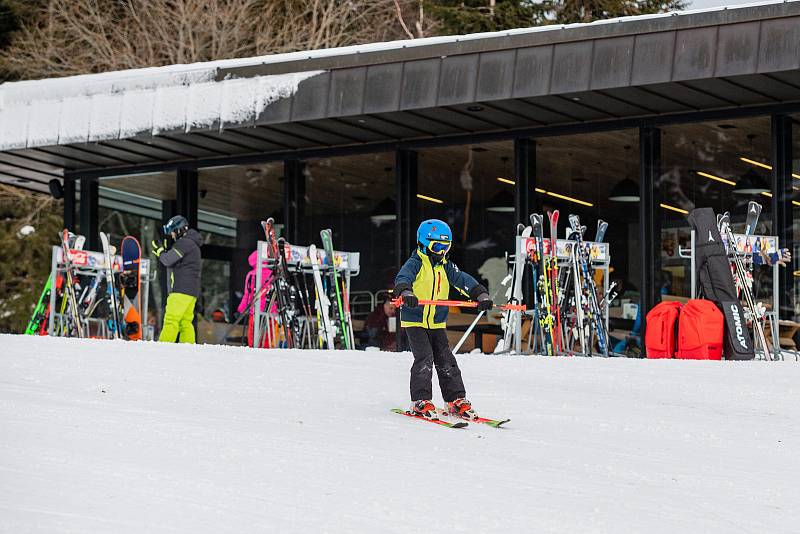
123	104
124	437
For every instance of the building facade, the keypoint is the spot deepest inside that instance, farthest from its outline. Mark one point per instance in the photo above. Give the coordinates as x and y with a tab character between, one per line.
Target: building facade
635	121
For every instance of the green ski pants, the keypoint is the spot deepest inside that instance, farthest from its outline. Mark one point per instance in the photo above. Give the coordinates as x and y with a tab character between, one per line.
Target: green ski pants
178	319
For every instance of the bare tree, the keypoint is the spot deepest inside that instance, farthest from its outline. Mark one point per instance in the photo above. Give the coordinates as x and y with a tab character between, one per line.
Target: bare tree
67	37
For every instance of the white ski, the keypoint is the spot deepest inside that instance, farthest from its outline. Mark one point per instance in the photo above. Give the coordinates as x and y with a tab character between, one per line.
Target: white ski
110	282
323	304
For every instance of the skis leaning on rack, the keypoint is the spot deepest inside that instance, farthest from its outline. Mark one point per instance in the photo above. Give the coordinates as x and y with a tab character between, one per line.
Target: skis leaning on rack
741	268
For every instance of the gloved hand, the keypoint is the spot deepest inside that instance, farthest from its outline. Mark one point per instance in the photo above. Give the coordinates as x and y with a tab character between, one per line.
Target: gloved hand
409	299
484	302
158	248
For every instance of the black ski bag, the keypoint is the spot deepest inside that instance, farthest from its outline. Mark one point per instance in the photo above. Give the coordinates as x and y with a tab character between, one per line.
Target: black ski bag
715	283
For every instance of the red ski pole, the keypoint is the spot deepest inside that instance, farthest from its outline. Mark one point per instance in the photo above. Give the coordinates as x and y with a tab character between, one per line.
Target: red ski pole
460	303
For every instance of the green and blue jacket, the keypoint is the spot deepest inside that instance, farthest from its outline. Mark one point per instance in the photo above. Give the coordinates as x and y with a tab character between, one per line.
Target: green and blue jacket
431	281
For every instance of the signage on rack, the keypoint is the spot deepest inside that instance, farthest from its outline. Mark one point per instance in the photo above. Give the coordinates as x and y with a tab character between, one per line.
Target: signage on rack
87	259
298	255
598	252
756	244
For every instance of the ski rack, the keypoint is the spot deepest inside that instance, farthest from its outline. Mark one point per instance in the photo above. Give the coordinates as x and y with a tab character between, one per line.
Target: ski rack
600	257
348	265
89	263
745	245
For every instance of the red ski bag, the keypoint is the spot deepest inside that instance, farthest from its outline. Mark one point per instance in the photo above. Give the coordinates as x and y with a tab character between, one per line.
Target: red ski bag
661	331
700	331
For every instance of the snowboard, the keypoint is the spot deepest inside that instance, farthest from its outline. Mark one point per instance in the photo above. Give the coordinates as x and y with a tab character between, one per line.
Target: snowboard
130	280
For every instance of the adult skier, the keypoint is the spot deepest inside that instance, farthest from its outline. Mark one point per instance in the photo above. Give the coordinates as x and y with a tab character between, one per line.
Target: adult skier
428	274
183	263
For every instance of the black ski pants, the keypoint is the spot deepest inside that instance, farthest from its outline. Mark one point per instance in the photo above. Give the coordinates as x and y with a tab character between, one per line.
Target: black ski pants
431	348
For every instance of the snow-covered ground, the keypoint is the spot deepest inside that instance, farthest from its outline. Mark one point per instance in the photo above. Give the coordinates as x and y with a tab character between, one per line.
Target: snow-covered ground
123	437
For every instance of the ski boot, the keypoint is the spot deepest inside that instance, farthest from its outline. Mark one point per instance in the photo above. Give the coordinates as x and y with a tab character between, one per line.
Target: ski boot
424	408
461	408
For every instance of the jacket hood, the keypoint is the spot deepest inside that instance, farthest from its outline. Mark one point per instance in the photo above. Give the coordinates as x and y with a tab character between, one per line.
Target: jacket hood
252	259
195	236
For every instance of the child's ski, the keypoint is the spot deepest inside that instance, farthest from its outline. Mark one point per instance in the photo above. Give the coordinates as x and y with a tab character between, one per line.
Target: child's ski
494	423
460	424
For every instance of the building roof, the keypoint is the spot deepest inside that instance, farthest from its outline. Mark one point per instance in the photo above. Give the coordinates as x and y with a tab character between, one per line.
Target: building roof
400	92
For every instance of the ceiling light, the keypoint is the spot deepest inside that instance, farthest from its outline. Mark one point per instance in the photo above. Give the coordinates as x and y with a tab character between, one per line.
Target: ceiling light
756	163
796	203
766	194
539	190
717	178
765	166
386	210
430	199
506	181
673	208
502	202
570	199
751	183
624	191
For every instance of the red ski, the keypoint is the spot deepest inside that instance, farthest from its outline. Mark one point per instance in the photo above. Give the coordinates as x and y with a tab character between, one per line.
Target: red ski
460	424
494	423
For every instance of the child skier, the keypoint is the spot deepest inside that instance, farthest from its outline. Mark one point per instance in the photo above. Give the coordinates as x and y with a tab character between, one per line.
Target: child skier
428	274
250	292
183	263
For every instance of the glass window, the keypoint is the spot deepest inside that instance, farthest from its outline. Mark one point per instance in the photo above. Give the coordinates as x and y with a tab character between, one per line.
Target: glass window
133	205
795	266
238	197
472	189
722	165
355	197
596	176
232	201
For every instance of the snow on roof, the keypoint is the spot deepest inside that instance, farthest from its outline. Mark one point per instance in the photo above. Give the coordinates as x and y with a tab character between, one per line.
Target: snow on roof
121	104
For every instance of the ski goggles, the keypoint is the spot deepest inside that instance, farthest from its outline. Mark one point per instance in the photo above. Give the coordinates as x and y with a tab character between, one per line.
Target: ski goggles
439	247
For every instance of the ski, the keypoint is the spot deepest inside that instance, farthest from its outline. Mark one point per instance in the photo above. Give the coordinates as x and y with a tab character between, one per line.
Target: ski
556	326
111	287
602	226
494	423
40	311
325	328
327	244
71	285
460	424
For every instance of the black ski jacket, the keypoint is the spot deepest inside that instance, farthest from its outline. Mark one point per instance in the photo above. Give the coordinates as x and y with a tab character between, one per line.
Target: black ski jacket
184	264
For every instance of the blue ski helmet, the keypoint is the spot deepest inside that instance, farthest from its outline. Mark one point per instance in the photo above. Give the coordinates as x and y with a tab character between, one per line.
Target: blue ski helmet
177	224
434	236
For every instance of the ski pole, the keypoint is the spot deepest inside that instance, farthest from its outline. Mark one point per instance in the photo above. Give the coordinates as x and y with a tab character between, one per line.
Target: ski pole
460	303
467	332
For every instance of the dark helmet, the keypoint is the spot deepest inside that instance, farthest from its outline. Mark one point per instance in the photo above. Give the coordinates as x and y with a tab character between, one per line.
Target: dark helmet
177	225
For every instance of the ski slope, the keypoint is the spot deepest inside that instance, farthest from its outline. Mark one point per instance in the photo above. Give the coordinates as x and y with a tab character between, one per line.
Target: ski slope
102	436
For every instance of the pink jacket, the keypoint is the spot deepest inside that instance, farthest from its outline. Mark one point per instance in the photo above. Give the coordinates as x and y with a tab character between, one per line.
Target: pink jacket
250	286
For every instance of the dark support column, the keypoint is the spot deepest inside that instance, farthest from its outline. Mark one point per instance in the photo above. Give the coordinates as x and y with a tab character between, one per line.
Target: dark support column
90	217
169	208
782	202
69	204
406	171
649	220
525	176
406	174
187	201
294	192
